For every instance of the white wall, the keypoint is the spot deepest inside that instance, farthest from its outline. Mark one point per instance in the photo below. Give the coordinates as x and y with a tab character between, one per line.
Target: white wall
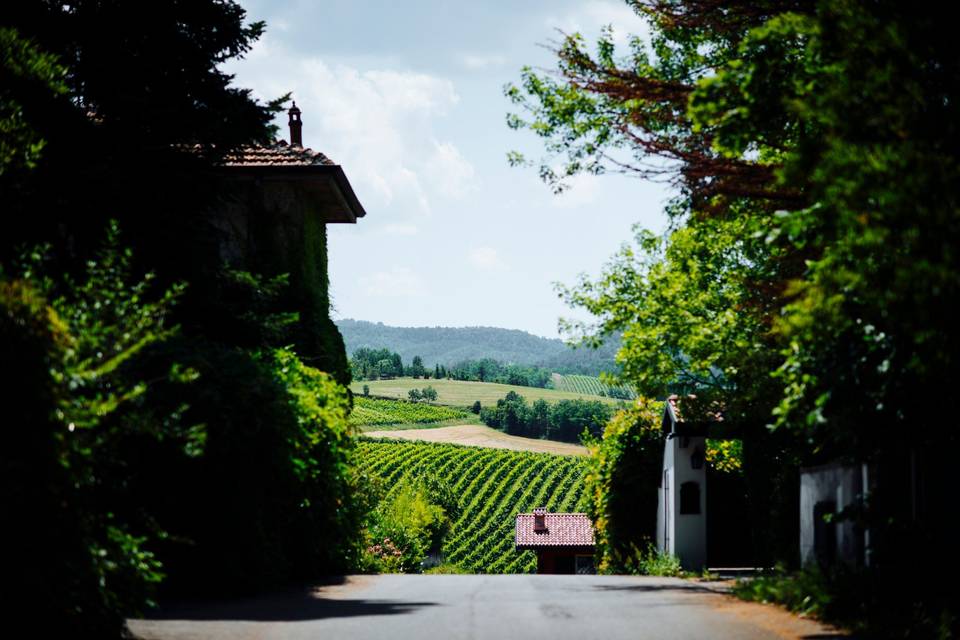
683	535
841	485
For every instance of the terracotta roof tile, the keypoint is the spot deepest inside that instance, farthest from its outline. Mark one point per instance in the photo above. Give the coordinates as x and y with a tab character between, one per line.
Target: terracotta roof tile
279	154
695	409
563	530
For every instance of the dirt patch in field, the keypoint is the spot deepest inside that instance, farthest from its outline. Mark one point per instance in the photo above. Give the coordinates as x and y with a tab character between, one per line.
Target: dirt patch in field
477	435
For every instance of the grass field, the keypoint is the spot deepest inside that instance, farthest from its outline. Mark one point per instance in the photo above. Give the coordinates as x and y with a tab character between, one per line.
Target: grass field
493	484
479	435
460	393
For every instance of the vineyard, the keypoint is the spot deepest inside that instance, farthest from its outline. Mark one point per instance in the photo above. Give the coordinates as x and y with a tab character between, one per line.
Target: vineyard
378	412
494	486
589	385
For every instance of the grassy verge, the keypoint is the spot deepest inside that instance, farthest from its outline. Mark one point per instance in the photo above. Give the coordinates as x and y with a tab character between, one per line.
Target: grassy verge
870	604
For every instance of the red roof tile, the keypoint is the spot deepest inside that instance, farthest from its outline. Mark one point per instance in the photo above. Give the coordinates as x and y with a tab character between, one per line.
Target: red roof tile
563	530
695	408
279	154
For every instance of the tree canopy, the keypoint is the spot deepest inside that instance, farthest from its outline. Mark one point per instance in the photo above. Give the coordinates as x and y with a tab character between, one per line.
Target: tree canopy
811	255
813	148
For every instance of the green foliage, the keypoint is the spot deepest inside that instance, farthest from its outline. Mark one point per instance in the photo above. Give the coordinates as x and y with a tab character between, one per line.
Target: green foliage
377	411
428	394
28	75
812	245
565	420
490	370
71	348
862	602
403	529
372	364
654	562
621	489
476	408
592	386
488	487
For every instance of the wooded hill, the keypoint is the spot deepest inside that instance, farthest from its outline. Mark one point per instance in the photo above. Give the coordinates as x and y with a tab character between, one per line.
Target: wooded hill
449	345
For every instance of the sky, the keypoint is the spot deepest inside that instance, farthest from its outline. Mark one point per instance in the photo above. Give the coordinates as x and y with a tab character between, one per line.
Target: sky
408	98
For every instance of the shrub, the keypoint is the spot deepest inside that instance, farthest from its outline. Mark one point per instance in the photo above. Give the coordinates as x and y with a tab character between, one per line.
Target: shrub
83	559
621	489
476	408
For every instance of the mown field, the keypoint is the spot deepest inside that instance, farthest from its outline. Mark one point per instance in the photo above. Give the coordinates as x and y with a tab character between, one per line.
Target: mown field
589	385
494	485
379	413
462	393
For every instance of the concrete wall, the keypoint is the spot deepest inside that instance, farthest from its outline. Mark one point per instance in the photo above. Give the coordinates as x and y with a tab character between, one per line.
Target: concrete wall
682	534
830	488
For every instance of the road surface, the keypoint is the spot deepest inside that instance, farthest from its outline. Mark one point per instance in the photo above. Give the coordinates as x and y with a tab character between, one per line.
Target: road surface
454	607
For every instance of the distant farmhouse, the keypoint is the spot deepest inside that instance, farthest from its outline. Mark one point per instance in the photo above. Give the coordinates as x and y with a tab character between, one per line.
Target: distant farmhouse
563	541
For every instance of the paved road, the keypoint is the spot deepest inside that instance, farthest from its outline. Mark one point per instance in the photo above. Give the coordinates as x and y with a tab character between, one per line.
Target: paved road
496	607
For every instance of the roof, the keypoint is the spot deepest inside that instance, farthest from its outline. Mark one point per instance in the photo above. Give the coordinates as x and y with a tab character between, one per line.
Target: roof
278	154
562	530
282	161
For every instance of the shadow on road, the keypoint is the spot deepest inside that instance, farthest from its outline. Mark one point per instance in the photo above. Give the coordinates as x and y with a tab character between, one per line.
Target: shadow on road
655	588
291	606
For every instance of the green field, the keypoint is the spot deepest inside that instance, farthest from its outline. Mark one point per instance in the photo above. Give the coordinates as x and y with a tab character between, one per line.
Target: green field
461	393
589	385
493	484
376	412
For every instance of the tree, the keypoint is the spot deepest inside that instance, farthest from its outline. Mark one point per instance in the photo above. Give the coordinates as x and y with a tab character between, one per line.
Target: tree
429	394
416	369
787	288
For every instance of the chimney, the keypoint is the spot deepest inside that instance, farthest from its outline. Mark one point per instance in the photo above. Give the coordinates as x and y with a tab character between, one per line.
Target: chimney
540	519
296	127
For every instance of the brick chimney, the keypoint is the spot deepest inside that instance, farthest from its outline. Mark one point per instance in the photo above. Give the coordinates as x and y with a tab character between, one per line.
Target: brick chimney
296	126
540	519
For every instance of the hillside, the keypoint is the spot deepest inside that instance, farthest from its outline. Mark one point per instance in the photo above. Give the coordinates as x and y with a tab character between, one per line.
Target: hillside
493	484
450	345
462	393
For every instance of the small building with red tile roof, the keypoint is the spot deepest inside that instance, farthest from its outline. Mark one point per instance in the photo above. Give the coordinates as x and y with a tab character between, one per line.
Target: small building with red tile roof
563	541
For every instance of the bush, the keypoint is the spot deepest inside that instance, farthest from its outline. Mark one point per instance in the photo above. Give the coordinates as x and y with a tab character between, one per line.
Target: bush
476	408
83	558
621	490
366	390
410	523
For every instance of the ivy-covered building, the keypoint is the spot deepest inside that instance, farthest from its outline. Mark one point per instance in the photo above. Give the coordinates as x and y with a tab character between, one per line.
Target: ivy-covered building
280	199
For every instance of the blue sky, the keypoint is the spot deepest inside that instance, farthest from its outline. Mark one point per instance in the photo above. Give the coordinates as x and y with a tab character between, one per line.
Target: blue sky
407	97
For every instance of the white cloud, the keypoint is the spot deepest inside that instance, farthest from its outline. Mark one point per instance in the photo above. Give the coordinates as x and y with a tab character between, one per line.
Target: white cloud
479	62
485	258
400	230
452	174
582	189
378	124
398	282
589	17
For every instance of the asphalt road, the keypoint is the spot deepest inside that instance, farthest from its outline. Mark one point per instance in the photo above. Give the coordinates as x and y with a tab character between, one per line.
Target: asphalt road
475	607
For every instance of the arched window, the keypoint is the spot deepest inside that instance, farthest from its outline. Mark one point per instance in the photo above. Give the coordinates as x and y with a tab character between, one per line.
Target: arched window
689	498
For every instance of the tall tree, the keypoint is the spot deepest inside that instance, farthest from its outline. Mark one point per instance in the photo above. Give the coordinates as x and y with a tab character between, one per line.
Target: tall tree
813	146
